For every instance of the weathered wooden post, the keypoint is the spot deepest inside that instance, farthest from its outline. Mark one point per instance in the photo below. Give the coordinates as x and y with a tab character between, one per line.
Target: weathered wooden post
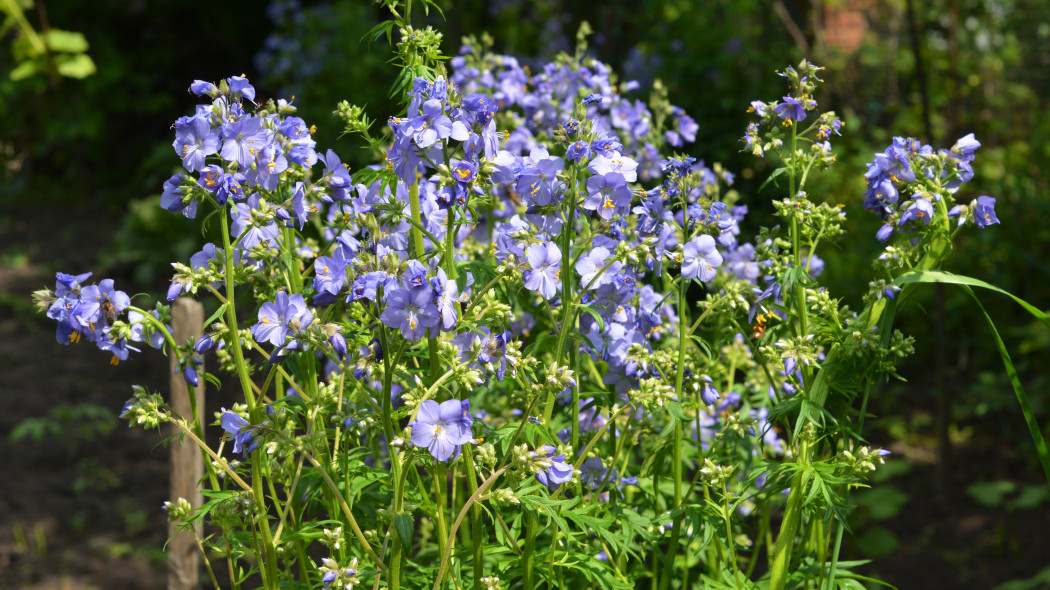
187	464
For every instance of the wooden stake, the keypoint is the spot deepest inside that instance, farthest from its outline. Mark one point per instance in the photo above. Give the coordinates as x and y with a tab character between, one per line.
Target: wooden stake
187	465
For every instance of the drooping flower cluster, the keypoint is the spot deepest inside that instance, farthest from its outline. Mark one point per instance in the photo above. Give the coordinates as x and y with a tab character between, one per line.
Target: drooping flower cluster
92	312
908	181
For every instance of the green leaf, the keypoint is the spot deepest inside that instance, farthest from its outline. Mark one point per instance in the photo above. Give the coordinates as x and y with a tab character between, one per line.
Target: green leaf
776	173
75	66
361	481
218	313
937	276
23	48
213	380
990	493
404	525
594	314
386	27
882	502
879	542
891	469
1030	497
1022	398
1040	580
65	41
26	69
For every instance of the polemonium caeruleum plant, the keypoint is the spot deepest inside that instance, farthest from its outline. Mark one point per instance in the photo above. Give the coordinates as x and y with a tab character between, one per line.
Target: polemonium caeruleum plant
531	346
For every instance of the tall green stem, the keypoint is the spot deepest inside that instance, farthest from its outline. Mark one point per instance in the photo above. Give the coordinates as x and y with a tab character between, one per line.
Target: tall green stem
270	555
530	549
792	518
475	519
413	205
796	239
679	380
568	317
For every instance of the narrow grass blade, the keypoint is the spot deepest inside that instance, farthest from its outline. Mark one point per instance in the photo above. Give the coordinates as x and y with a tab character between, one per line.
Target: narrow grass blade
934	276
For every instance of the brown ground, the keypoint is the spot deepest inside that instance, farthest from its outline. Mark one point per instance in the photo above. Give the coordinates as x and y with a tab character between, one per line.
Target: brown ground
78	513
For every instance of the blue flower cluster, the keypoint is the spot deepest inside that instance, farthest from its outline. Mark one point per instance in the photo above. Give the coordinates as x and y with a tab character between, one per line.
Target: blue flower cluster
779	115
447	152
909	179
90	312
254	150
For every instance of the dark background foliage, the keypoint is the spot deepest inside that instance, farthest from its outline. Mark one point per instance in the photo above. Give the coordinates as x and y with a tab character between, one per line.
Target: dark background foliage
82	162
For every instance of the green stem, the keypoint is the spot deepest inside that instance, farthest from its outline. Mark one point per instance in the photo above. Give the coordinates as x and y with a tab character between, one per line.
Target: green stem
792	517
475	519
234	582
181	424
413	204
568	316
204	558
441	501
727	517
231	319
451	228
676	448
530	549
358	533
484	487
394	573
198	428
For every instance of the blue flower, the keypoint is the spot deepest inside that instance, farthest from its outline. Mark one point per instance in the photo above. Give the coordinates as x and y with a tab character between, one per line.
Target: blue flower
965	148
920	209
790	110
244	138
572	126
330	273
255	231
984	212
708	393
270	164
411	311
441	428
593	472
559	471
700	258
338	177
578	150
591	263
223	186
545	263
608	194
243	439
537	181
284	318
200	87
605	163
194	141
239	86
176	197
446	297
